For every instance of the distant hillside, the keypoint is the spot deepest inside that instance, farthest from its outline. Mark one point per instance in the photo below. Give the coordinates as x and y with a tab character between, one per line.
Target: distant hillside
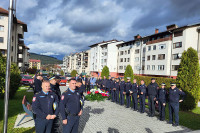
45	59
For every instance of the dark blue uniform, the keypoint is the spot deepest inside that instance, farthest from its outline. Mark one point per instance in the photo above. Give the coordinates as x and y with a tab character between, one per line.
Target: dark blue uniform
122	88
134	89
43	105
104	81
112	86
108	85
56	90
38	85
117	92
174	96
127	90
70	106
152	90
161	98
142	88
85	80
88	84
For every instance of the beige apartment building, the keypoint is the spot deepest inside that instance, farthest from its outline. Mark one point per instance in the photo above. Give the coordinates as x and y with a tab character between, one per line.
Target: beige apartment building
19	51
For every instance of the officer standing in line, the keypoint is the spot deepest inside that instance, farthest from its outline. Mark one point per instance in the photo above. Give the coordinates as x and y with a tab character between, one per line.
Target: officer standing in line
108	85
71	106
100	82
104	81
122	89
174	99
45	106
142	95
117	86
88	83
152	90
112	87
80	88
38	83
134	93
84	81
161	101
127	92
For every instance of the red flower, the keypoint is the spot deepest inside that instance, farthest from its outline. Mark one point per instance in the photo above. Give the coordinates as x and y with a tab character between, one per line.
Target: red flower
88	92
96	92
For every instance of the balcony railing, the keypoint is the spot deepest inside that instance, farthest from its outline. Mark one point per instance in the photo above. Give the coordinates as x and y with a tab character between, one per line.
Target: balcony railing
159	40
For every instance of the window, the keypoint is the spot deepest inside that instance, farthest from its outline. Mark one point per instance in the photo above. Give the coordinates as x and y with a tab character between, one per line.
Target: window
148	67
162	46
121	59
124	67
143	67
105	53
1	28
125	52
128	51
148	57
161	67
177	56
145	41
177	45
124	59
120	67
1	39
136	58
153	67
153	57
1	17
137	44
121	52
154	47
105	60
178	33
143	58
128	59
175	67
144	50
161	56
149	48
137	51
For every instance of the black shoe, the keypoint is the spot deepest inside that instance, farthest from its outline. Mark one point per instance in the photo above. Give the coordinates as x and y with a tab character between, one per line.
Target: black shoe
175	125
169	123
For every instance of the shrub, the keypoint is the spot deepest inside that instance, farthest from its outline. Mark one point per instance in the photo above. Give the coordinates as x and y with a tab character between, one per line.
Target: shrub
128	73
105	72
188	79
73	73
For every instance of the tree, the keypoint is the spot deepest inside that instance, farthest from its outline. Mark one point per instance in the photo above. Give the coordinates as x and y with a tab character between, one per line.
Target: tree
105	72
188	78
62	72
128	73
73	73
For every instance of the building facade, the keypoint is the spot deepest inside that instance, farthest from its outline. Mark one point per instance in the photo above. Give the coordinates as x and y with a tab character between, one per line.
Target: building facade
34	63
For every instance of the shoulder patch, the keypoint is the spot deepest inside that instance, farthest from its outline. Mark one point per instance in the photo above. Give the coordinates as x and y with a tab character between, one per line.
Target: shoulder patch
34	98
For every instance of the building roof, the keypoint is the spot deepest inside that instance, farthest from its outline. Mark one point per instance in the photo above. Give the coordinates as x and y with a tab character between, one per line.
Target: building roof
125	43
3	11
106	42
34	60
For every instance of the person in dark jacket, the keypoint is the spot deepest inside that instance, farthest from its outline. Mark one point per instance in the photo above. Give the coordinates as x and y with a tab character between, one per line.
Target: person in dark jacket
84	81
122	90
108	85
174	100
117	87
134	93
45	105
112	87
152	90
88	83
161	101
38	84
80	87
127	92
104	81
142	95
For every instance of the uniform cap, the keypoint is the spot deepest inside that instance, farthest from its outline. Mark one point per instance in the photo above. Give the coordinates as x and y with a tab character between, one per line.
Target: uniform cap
128	78
163	84
153	79
172	84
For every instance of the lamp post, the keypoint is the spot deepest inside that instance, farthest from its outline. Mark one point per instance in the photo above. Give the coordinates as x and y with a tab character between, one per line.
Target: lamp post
7	83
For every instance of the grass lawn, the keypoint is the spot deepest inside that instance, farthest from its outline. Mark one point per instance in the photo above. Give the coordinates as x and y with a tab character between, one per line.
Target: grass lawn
15	107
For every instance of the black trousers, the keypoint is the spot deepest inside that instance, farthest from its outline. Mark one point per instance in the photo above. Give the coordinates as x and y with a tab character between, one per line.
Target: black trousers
161	110
174	109
135	101
43	125
151	104
142	103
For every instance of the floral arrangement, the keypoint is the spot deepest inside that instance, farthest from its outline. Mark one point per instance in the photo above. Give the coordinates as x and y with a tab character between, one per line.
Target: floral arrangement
96	94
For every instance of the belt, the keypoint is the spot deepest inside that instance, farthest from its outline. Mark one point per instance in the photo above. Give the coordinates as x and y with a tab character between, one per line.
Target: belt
72	114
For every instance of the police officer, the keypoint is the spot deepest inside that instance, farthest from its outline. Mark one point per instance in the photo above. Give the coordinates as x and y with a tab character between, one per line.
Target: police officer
80	88
108	85
161	101
54	88
142	94
104	81
122	90
127	92
38	84
112	87
117	87
174	99
100	82
152	90
88	83
134	93
45	106
71	108
84	81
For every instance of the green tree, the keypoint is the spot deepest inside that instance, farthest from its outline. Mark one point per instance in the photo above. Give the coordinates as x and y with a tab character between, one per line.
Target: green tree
62	72
188	78
105	72
128	73
73	73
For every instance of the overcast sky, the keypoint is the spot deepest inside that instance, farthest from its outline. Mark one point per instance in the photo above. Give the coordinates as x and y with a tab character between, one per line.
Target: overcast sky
59	27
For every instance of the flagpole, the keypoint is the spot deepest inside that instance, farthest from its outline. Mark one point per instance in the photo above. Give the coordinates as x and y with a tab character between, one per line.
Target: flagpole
7	83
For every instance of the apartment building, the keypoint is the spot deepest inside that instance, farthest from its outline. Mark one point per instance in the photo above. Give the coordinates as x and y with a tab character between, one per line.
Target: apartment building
104	54
34	63
19	51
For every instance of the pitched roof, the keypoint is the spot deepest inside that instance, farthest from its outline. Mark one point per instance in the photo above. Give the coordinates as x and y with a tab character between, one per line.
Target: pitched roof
34	60
3	11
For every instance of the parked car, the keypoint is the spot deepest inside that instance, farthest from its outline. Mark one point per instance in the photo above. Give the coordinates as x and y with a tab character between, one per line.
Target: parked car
68	77
63	81
27	80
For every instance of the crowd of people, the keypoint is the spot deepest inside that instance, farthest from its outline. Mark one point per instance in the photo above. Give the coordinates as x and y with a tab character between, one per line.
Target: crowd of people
48	102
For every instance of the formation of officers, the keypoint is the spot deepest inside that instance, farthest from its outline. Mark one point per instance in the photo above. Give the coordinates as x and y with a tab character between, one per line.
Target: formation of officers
48	102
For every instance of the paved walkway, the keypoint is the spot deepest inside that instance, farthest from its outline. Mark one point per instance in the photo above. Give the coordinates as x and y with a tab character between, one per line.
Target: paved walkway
103	117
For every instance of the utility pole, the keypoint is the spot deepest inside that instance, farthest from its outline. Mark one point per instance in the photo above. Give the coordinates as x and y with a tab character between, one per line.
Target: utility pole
7	83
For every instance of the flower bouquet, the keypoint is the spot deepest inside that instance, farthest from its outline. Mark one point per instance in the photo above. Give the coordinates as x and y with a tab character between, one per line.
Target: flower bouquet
96	94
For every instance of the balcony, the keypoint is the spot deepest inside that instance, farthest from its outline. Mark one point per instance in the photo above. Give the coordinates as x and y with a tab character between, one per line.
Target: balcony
20	60
159	40
20	51
21	42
